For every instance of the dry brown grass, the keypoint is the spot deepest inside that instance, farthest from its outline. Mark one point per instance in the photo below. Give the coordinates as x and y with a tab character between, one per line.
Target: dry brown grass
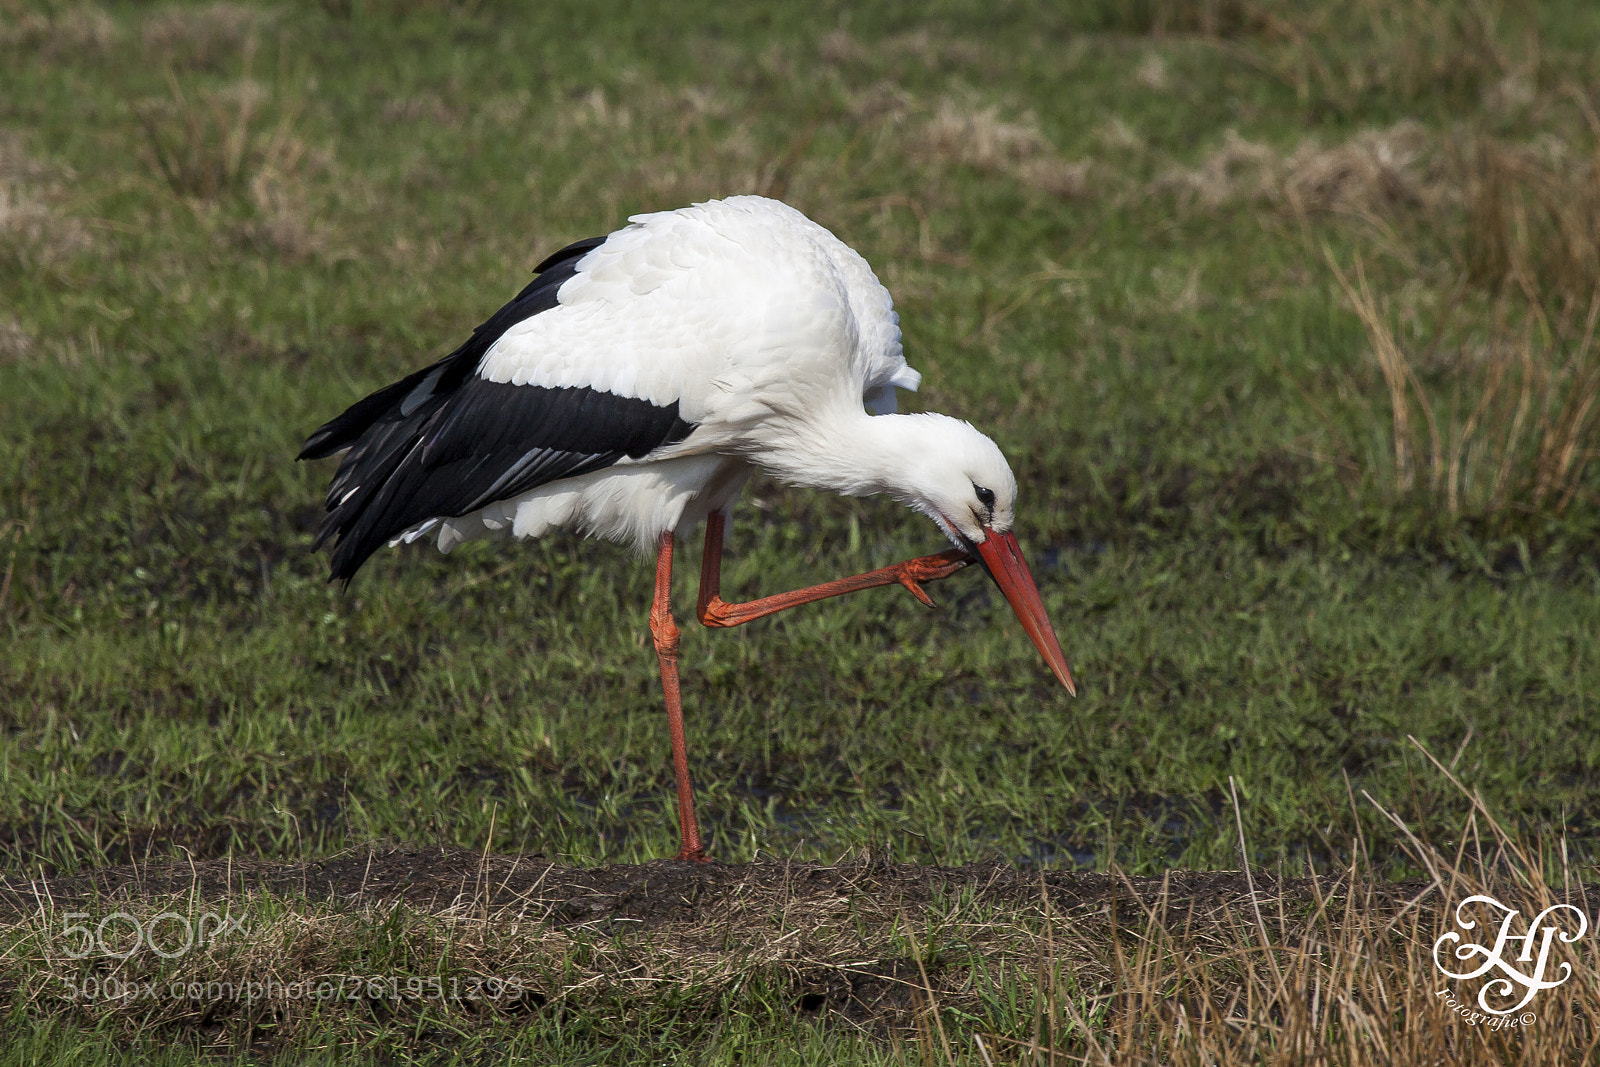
839	47
1503	429
34	228
1533	215
1152	73
1353	982
281	221
1374	173
977	136
1238	171
1348	972
15	344
967	134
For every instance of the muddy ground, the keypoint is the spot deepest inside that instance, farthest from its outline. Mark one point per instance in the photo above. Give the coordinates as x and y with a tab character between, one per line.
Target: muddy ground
652	895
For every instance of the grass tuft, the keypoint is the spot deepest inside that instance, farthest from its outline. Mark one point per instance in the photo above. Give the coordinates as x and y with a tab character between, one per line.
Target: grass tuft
1533	216
214	143
1504	433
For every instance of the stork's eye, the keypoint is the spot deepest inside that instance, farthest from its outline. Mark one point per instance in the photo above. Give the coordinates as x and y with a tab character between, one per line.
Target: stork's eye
985	497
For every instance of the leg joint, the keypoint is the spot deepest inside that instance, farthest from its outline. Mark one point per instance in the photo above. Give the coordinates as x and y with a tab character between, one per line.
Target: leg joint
716	612
664	629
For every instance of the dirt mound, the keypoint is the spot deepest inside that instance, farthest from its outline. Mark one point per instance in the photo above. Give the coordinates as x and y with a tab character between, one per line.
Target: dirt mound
659	893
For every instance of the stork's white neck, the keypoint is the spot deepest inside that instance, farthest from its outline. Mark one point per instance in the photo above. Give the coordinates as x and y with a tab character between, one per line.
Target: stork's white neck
850	452
932	463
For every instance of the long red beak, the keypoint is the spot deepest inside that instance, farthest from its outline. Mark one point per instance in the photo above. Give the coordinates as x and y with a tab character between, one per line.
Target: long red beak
1002	558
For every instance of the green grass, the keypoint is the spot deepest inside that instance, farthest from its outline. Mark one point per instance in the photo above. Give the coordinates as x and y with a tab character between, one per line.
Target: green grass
1197	426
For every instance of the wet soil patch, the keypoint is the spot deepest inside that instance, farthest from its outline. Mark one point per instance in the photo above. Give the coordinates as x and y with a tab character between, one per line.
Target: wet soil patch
661	893
654	894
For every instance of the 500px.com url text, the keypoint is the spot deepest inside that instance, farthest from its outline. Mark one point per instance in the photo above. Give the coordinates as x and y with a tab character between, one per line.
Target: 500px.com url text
331	988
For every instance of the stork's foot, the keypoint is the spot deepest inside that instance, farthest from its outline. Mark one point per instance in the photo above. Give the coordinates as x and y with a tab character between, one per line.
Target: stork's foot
913	572
692	855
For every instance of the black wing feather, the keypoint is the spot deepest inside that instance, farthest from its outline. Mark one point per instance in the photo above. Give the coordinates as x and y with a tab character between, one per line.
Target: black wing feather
443	442
538	295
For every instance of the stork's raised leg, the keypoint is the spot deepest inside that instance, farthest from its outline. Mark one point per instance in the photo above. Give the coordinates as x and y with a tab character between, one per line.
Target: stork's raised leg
911	573
665	631
714	611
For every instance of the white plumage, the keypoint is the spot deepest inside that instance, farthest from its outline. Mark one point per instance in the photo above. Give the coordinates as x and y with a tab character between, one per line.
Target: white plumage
633	387
746	313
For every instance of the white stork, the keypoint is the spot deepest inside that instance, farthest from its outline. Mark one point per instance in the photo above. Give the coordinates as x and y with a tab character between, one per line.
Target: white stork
631	390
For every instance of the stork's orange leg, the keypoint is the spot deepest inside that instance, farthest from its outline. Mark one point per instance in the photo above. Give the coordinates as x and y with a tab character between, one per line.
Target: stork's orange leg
665	631
714	611
911	573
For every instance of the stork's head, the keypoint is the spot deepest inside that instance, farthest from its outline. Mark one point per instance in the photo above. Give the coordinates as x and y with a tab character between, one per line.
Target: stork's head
959	478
